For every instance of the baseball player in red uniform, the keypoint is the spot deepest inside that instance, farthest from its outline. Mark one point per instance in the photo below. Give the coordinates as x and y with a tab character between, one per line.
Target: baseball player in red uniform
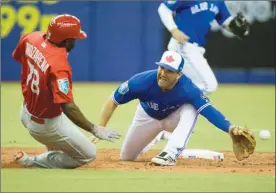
46	81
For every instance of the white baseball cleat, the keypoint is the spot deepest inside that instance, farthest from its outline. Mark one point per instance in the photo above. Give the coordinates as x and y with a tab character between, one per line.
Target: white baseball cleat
163	159
23	159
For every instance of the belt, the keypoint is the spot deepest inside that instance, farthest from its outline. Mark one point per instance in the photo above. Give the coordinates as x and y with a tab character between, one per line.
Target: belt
37	120
33	118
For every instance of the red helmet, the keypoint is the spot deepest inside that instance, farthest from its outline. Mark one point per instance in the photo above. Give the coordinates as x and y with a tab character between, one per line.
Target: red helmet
64	26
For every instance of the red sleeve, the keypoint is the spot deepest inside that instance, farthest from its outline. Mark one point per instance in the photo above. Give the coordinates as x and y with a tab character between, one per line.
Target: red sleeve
61	85
19	51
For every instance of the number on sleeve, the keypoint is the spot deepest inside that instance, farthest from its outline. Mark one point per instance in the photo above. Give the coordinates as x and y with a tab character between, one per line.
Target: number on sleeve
34	76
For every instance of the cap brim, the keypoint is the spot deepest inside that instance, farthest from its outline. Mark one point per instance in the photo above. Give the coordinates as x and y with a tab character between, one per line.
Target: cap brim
82	35
166	66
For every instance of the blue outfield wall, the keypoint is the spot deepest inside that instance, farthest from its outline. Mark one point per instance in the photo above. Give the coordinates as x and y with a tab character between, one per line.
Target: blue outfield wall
124	38
246	76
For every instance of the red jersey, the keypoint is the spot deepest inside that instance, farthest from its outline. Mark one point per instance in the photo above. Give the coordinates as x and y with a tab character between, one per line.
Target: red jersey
46	77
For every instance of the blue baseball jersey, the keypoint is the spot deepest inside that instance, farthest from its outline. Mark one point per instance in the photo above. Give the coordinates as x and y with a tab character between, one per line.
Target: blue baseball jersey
194	17
156	103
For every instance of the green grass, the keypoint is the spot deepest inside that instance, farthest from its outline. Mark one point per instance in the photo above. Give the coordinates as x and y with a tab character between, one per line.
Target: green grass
253	106
121	181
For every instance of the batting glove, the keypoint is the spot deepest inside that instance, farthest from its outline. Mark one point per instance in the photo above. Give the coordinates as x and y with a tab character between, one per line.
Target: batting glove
105	134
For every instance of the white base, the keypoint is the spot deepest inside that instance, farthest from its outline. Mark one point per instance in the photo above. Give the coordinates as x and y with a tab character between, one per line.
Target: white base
201	153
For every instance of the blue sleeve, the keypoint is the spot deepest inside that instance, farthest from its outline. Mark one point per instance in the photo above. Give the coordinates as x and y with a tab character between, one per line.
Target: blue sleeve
174	5
124	93
196	96
204	107
216	118
223	13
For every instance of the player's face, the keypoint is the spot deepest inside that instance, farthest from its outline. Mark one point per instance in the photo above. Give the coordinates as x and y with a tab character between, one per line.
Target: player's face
70	44
166	78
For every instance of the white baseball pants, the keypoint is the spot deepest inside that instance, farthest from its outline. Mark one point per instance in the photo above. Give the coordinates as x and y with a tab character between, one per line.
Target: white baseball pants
196	66
68	146
144	129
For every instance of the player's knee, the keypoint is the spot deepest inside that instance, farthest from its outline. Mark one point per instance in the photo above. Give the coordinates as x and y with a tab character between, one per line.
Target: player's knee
124	156
88	156
88	159
91	155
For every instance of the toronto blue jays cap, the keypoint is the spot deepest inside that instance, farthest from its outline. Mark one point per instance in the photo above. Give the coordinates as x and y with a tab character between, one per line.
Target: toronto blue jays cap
172	61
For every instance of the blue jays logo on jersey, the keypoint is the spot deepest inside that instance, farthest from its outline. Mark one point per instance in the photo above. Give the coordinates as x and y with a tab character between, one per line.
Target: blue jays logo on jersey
153	106
63	85
123	89
204	6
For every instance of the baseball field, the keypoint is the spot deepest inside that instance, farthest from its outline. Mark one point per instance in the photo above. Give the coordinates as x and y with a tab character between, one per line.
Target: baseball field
246	105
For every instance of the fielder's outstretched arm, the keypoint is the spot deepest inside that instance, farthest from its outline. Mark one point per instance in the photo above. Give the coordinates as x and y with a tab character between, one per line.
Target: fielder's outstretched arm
205	108
216	118
107	111
244	141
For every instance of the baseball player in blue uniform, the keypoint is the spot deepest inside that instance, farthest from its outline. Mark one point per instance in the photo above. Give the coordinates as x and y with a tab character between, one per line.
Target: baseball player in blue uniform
190	28
169	101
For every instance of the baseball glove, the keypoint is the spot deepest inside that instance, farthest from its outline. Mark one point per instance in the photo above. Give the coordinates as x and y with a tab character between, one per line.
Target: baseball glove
244	142
240	26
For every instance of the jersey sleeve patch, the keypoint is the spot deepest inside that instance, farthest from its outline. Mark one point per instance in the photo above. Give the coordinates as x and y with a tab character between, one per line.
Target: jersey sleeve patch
123	89
63	85
205	98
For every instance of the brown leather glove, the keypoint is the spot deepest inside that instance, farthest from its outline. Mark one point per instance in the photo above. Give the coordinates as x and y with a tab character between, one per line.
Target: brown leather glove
244	142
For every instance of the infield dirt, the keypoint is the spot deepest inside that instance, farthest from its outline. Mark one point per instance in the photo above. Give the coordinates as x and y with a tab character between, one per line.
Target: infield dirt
108	159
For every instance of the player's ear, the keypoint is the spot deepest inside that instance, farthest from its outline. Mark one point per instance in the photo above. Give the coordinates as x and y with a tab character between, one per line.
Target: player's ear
179	74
